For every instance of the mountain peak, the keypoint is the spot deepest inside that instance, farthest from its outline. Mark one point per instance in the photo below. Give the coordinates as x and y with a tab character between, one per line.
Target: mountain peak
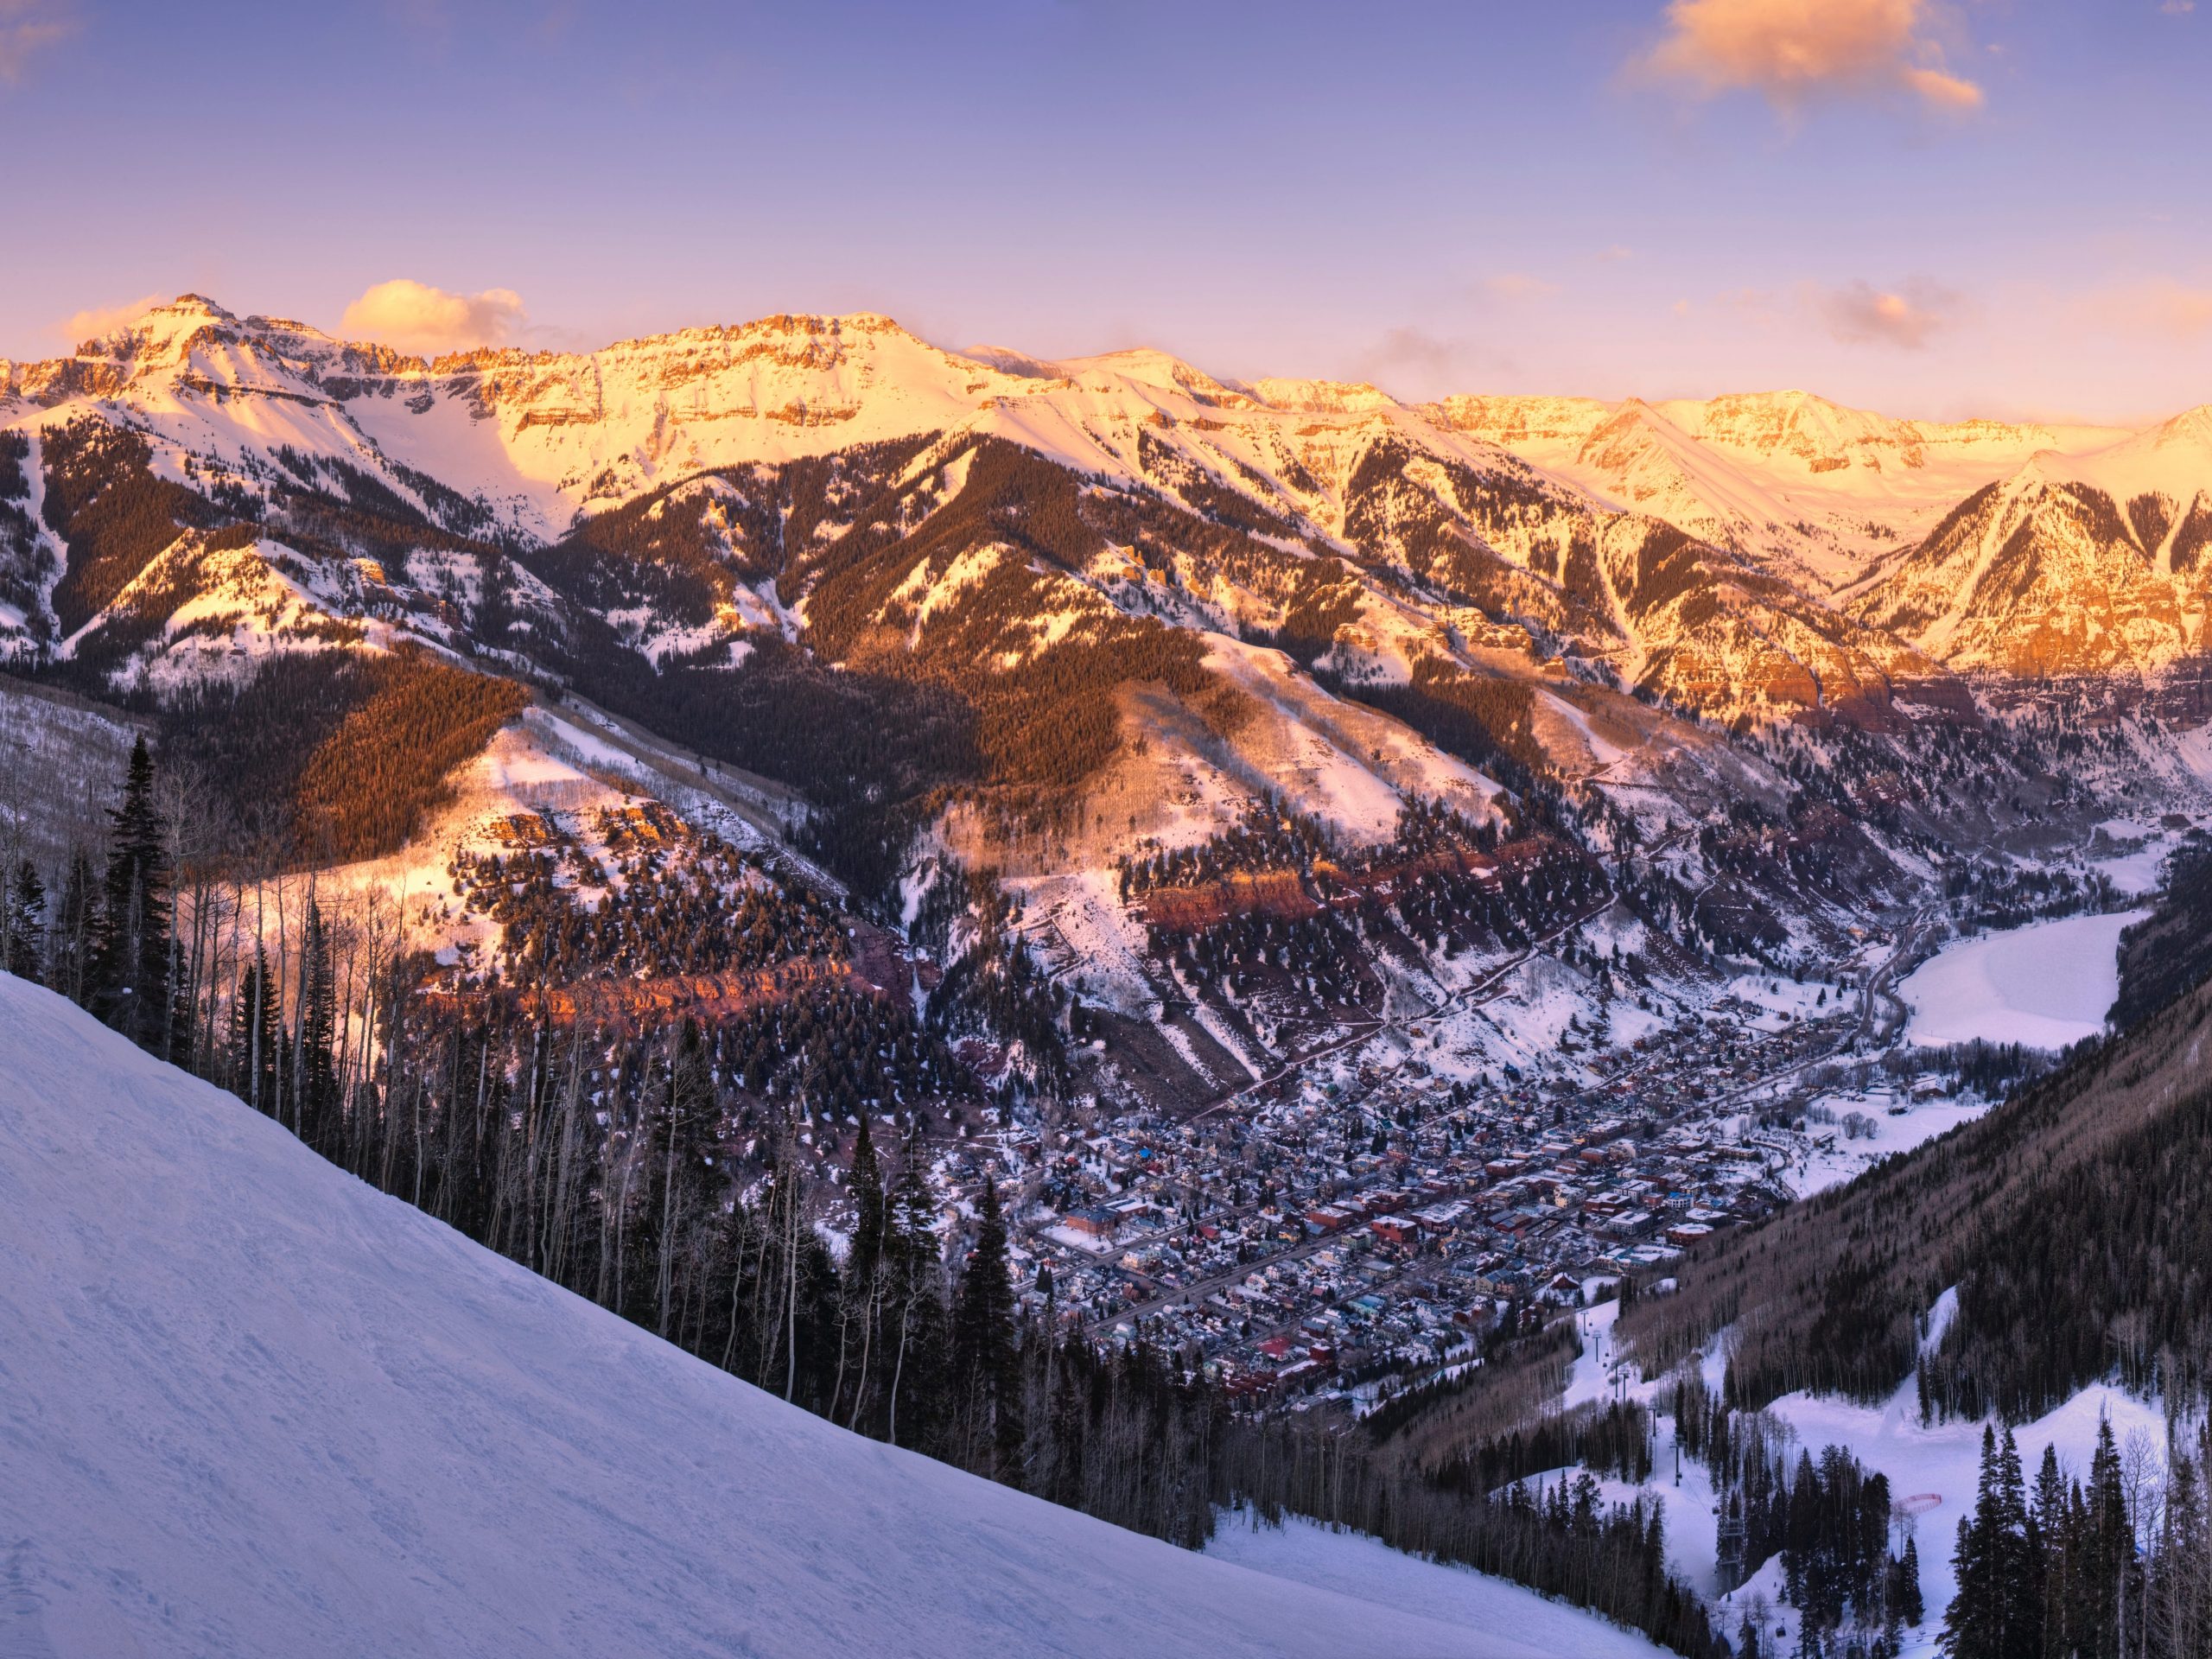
162	328
2192	427
1322	397
1147	365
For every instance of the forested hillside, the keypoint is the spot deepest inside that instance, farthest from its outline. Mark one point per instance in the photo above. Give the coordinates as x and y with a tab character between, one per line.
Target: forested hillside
1832	1294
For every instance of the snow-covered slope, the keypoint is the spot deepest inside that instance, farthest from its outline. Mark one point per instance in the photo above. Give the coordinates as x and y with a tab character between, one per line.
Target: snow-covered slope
1815	487
199	490
2072	564
249	1405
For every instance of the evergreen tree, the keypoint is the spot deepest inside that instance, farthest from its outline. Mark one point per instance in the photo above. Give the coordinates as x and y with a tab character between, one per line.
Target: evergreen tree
1997	1613
1906	1604
860	1305
23	925
2019	1557
316	1075
256	1033
986	1355
2108	1543
2055	1528
914	1318
1972	1625
131	955
869	1206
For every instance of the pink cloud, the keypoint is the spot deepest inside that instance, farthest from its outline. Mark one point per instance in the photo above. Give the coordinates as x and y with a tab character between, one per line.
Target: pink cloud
417	317
1794	51
1859	313
28	26
1519	285
100	321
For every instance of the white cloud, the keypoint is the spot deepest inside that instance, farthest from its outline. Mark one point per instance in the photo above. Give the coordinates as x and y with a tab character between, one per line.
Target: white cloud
29	26
1859	313
1794	51
416	317
101	320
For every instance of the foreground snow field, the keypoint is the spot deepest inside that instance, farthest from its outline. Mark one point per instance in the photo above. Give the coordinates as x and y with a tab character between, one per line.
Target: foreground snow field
2044	985
249	1405
1359	1566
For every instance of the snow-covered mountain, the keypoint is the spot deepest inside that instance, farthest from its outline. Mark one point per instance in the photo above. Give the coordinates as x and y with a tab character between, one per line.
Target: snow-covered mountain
2080	564
1815	488
258	1408
1146	594
1448	536
1535	512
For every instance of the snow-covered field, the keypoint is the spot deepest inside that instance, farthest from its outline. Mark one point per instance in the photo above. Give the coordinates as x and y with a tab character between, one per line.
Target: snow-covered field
249	1405
1943	1461
2044	986
1832	1157
1922	1462
1308	1552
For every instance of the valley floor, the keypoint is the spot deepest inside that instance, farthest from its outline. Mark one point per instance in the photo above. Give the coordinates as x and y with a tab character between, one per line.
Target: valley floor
2044	986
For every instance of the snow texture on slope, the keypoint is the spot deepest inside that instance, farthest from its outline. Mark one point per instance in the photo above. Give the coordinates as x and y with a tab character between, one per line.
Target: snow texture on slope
1360	1565
249	1405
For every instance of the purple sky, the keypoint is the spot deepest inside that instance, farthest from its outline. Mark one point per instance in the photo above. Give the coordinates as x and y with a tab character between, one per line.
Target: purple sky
1995	206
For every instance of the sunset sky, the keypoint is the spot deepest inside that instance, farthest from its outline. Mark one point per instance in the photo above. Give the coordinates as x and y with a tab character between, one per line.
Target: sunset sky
1998	207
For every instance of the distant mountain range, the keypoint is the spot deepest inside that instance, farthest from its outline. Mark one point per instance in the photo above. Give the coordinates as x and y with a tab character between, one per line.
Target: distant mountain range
1147	594
1837	556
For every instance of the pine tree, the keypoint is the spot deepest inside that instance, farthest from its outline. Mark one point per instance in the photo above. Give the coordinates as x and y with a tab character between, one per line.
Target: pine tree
863	1287
914	1321
130	955
986	1356
25	929
1906	1603
2108	1546
867	1202
2019	1570
255	1034
1997	1613
316	1075
1972	1625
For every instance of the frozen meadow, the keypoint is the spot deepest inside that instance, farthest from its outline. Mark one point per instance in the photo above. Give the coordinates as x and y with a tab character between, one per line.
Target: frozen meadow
2043	986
